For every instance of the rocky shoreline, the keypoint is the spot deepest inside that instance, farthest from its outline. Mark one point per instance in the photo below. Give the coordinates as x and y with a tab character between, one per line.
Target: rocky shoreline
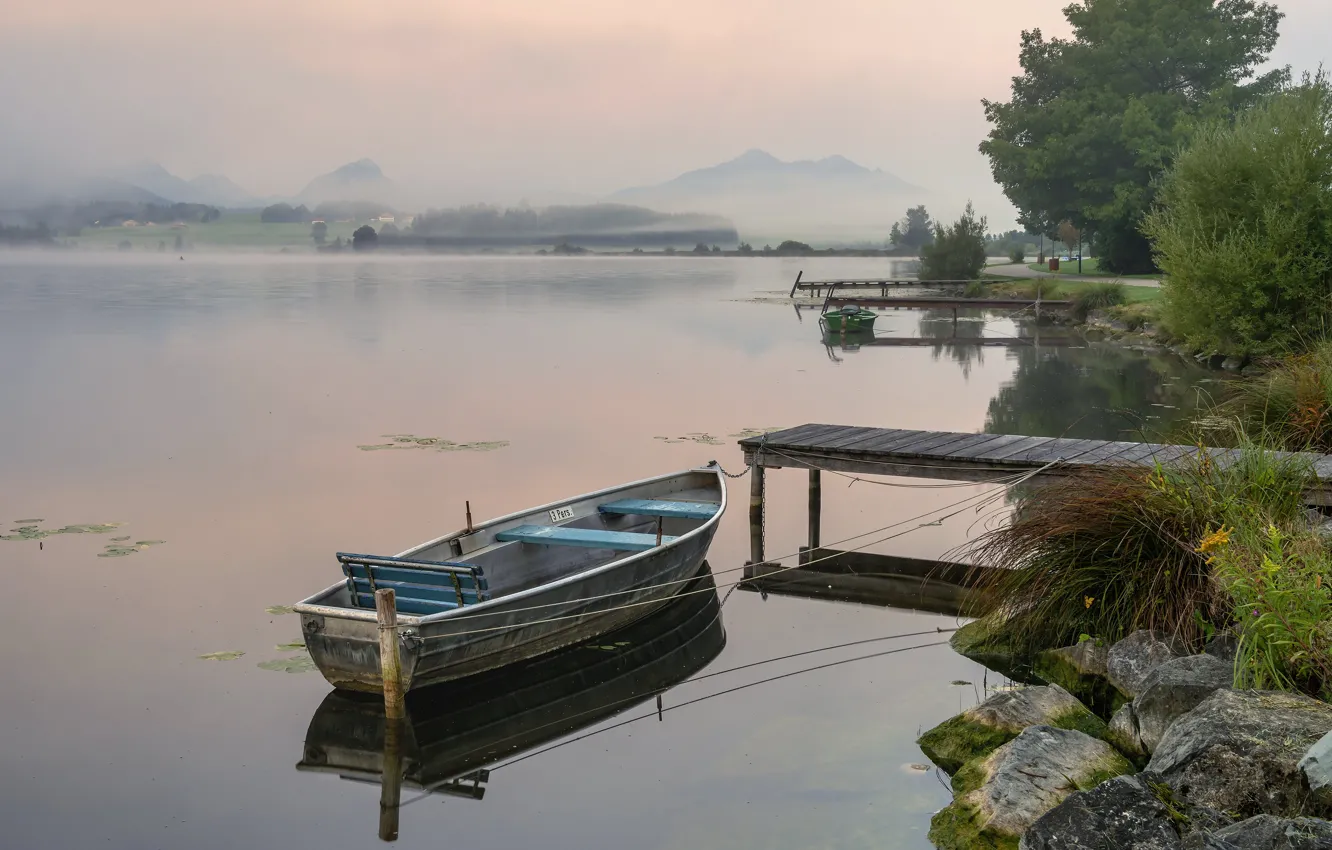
1163	754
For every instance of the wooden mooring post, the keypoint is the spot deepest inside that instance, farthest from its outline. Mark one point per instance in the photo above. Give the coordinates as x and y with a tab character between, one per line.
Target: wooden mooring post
390	672
756	513
390	780
815	507
390	663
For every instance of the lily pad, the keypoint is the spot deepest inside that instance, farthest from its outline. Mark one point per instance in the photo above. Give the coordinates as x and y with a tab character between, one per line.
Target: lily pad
225	655
294	646
295	664
27	521
117	551
279	610
120	539
144	544
746	433
959	683
702	439
411	441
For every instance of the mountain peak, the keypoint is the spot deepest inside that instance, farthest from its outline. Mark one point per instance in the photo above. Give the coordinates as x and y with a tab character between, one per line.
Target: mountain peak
361	169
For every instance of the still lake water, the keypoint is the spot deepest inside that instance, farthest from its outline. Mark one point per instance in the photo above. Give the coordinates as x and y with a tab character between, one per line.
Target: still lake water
217	404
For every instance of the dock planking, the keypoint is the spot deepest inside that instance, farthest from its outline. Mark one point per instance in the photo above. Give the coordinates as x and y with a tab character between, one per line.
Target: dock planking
962	456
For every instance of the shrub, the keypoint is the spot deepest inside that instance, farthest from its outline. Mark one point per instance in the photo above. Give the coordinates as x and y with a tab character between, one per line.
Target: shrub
1017	254
1291	403
1282	604
1106	551
975	289
958	252
1097	296
1243	229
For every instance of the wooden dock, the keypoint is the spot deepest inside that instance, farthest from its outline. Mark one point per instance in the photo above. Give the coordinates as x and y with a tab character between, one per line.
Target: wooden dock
853	340
817	287
926	302
948	455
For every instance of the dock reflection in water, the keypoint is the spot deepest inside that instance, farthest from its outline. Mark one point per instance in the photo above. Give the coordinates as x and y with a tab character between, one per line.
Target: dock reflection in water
454	732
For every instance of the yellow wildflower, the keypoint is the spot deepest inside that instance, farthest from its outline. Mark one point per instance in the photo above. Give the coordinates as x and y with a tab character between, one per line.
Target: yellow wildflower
1088	600
1214	540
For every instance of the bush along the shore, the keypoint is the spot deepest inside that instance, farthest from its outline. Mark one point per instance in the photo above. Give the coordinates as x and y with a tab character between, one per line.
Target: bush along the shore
1106	551
1290	404
1188	603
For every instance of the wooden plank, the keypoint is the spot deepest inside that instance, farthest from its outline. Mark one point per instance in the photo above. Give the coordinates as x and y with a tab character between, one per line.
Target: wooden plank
975	450
857	436
1043	453
789	434
936	447
661	507
830	438
591	538
1140	454
1107	452
971	441
811	437
866	443
1077	448
1022	445
898	442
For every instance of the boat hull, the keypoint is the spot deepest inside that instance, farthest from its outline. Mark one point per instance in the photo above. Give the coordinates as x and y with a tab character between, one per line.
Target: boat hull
837	321
344	644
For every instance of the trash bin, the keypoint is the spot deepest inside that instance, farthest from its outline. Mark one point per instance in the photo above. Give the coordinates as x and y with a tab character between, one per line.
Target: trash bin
1054	264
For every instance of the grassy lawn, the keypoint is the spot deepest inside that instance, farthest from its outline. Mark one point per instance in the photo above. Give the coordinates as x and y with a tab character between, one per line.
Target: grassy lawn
231	230
1091	267
1065	289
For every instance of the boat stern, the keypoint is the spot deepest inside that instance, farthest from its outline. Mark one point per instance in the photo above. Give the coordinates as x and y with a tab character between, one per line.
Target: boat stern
344	645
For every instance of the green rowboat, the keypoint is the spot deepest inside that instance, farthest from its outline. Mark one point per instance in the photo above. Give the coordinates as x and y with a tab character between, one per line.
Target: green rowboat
850	319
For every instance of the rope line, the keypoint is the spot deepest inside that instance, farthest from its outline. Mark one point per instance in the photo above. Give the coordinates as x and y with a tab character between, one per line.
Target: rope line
982	497
430	789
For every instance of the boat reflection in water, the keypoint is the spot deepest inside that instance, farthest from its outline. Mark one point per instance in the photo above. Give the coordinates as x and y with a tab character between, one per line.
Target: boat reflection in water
455	730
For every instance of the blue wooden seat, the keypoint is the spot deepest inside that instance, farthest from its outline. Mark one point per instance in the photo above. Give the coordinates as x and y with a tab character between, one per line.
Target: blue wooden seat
592	538
419	587
662	508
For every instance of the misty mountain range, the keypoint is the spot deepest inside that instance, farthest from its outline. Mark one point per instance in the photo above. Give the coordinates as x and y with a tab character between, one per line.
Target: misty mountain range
755	189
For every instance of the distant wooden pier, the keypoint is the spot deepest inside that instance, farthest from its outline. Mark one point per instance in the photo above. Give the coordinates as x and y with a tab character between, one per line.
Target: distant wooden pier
818	287
948	455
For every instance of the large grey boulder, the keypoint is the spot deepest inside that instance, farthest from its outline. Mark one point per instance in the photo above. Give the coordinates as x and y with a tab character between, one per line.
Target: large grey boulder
1317	768
1120	813
1239	752
981	729
1131	659
1266	832
999	797
1123	734
1174	689
1083	671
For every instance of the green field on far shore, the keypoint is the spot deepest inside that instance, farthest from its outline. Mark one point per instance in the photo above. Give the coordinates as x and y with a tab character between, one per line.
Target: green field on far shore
232	230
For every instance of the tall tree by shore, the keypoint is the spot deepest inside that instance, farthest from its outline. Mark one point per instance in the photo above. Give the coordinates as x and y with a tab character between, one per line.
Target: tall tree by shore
1094	120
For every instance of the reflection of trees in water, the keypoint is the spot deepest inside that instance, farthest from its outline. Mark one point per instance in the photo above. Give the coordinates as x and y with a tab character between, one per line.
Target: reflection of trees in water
1098	392
939	324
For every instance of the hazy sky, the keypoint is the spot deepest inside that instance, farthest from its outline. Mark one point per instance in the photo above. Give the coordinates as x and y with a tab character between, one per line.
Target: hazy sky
493	99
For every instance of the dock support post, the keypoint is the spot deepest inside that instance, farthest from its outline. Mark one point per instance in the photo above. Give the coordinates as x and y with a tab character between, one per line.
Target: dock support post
756	511
390	663
815	507
390	780
796	285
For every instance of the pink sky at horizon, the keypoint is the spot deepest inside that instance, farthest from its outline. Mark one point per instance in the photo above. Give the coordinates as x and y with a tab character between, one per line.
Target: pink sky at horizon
501	99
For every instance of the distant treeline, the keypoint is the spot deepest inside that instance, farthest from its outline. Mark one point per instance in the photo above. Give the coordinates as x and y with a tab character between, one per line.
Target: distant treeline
609	225
332	211
39	235
70	219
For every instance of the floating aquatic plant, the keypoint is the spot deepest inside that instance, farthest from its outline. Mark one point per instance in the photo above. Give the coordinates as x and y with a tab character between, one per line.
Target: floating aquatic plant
296	664
29	530
706	439
279	610
225	655
27	521
294	646
411	441
120	550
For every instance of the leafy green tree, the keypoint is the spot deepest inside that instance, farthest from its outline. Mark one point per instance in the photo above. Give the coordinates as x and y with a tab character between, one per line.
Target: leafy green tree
956	253
1095	119
1244	227
746	248
319	232
913	231
364	238
791	246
